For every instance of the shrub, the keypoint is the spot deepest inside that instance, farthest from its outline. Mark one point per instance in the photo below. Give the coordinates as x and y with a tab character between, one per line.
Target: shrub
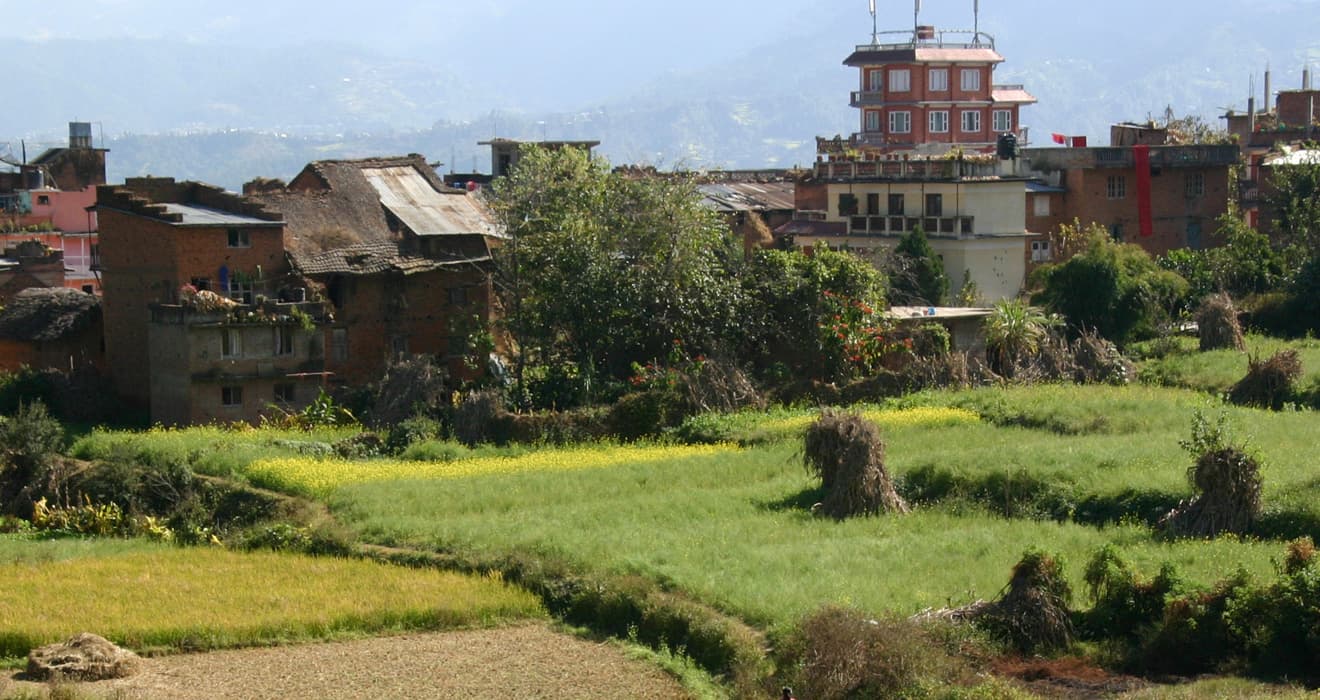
412	387
840	653
1123	604
479	417
29	441
646	414
1218	324
845	451
407	432
1269	384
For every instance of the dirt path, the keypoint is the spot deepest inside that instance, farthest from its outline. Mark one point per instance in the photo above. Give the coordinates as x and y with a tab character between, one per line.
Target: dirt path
522	662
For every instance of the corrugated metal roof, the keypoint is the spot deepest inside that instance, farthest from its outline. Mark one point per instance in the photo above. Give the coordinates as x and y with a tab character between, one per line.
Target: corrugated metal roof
749	196
1013	96
426	212
204	216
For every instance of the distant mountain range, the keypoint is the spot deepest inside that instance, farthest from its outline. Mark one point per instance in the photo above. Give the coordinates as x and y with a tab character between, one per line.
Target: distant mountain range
226	114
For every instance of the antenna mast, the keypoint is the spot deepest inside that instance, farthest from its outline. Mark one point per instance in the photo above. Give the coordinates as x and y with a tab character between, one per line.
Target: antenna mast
976	21
916	21
875	26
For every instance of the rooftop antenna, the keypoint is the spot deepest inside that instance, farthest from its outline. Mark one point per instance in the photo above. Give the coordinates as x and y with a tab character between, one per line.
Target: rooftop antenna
976	21
875	26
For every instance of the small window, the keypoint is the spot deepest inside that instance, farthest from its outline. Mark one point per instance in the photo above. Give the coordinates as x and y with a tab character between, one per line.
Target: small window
900	122
231	396
872	121
231	343
458	296
241	292
939	79
939	122
1042	204
971	122
876	80
1116	232
1195	185
1003	120
971	79
847	204
873	203
284	340
238	238
339	345
43	200
1040	252
284	393
900	80
896	205
934	205
1116	187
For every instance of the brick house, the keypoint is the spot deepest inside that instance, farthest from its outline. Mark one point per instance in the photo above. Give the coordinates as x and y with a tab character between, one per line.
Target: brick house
403	259
229	358
1161	198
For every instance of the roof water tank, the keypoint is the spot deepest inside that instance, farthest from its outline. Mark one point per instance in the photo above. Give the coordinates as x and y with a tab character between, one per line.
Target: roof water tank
34	179
80	135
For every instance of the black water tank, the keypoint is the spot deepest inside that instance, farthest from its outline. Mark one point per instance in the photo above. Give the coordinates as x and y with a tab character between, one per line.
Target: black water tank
1007	146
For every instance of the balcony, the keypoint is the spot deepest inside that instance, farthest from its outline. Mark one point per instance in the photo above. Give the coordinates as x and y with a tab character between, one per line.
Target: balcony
868	98
925	37
934	226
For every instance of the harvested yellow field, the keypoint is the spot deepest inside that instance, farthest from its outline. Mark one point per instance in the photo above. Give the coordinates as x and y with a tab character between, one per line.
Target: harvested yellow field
321	477
211	598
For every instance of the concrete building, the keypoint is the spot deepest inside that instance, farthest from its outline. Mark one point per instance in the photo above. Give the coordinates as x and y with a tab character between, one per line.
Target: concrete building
504	153
926	91
973	216
1285	122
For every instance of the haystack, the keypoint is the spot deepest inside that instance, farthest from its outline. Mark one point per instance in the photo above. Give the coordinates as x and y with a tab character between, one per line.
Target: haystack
1032	614
1217	320
846	452
1268	384
1229	483
85	657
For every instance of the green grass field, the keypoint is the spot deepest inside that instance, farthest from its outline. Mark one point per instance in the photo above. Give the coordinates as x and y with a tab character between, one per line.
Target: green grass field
1216	372
155	597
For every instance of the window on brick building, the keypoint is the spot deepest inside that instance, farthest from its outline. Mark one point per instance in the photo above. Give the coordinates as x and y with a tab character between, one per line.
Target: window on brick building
284	393
458	296
231	396
876	80
900	122
1041	204
971	79
939	79
1003	120
900	80
1116	232
934	205
456	347
1116	187
939	122
284	340
1195	185
241	292
238	238
339	345
231	343
971	122
872	120
1040	252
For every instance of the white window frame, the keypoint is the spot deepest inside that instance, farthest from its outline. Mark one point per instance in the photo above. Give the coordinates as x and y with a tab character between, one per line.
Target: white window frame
1040	252
900	80
971	121
875	81
971	79
938	79
1003	120
939	121
1041	205
1116	187
231	343
238	238
872	121
900	122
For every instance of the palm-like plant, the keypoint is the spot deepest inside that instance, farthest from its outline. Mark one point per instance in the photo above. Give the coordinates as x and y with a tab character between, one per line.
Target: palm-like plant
1015	330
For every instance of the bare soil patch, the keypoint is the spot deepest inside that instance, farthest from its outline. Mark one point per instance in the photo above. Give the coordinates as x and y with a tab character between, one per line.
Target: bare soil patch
1068	677
524	662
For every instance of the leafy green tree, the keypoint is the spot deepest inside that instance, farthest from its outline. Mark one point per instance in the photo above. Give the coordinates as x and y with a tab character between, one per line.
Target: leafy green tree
1113	288
1295	201
919	276
785	306
603	270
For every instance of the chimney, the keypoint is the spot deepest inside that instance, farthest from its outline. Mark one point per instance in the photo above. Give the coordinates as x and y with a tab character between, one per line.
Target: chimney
1251	116
1268	106
1306	78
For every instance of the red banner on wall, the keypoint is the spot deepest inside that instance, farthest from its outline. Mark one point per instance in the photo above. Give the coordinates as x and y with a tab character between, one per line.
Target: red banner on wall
1141	154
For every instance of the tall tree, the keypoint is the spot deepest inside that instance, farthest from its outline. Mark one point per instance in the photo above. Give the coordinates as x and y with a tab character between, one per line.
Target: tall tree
918	277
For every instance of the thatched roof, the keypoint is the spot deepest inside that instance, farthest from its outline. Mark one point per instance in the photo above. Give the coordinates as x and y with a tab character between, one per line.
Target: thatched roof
44	315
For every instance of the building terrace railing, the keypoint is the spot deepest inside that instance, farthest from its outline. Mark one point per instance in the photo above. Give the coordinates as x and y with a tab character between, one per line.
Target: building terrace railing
928	37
